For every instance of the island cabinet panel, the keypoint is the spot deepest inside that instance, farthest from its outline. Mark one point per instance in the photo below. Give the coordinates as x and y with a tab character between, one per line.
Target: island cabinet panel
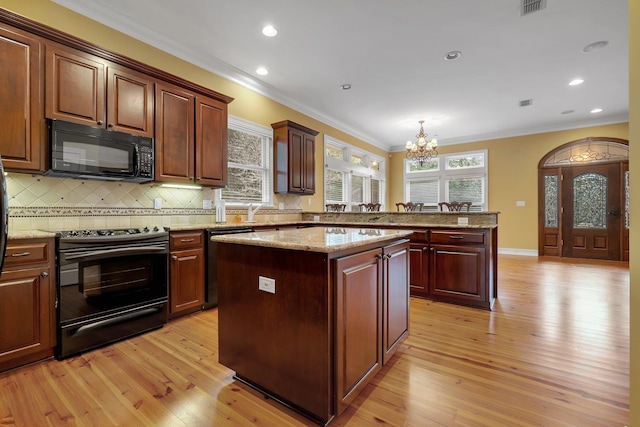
419	261
358	323
27	303
395	298
281	342
21	81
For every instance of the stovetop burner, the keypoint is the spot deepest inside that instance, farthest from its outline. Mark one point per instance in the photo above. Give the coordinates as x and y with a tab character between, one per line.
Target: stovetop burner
110	232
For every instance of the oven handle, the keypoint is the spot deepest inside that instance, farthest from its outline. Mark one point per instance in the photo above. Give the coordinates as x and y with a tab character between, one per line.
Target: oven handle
114	252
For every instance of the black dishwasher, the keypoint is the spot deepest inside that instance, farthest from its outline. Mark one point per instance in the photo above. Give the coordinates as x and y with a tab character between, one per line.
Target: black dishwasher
211	292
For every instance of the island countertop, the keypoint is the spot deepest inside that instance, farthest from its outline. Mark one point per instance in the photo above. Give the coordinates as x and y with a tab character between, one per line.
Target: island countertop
314	239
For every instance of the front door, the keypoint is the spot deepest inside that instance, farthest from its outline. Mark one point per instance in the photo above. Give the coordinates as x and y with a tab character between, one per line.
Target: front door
591	221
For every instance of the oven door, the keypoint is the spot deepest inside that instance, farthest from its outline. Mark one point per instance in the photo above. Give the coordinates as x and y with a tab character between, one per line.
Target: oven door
96	282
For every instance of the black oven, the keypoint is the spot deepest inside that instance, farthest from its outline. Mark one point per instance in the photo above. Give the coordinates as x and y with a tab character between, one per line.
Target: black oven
112	284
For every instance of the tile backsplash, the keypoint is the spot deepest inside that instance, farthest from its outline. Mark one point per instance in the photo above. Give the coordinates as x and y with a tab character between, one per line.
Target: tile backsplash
49	203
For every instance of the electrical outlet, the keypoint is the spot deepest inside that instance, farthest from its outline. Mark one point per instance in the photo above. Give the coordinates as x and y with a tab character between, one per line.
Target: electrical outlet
266	284
157	203
463	221
281	206
520	203
316	218
206	204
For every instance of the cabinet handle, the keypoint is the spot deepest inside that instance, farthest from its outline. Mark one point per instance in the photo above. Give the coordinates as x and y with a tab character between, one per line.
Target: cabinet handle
431	249
110	125
44	274
173	257
456	237
18	255
100	122
186	240
425	248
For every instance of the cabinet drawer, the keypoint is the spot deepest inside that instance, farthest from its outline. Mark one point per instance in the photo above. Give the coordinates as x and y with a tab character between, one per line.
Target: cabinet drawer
186	240
456	236
27	253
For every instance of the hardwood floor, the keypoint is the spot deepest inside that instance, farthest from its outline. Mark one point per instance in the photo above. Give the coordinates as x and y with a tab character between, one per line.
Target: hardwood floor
554	352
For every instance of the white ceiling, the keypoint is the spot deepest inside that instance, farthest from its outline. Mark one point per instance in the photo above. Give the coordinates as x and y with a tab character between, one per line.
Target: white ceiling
392	53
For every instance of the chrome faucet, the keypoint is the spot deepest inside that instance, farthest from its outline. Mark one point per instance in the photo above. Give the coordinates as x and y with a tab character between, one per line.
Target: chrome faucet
251	213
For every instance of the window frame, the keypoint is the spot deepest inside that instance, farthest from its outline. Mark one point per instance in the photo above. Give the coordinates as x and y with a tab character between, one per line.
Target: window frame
349	170
443	173
240	125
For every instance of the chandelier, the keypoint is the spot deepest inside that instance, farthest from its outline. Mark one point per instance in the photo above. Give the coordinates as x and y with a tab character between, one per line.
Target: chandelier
422	150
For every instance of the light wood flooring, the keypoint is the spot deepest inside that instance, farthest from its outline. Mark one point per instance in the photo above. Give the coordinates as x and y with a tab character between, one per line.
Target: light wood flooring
554	352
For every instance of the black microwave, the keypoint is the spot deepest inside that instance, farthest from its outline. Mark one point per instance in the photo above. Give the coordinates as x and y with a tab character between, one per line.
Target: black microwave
87	152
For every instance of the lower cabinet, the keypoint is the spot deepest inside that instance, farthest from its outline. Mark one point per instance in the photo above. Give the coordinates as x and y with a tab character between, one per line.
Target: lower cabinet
455	266
27	302
372	315
187	283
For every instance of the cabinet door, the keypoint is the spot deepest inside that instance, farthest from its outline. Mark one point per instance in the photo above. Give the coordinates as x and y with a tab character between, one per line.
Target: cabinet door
395	323
130	98
174	134
187	281
419	269
75	86
358	323
22	131
458	274
296	161
26	314
211	141
309	164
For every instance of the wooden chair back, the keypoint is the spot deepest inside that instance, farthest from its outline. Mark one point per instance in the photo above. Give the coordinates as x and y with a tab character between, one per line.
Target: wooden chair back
370	207
409	206
336	207
455	206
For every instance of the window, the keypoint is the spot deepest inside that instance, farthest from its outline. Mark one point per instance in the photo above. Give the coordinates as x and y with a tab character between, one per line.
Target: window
249	176
460	177
352	176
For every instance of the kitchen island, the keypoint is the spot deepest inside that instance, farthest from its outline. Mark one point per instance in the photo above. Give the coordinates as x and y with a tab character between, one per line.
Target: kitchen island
308	316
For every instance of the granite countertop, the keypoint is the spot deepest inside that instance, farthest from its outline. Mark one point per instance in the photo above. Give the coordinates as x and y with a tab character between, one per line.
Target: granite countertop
314	239
30	234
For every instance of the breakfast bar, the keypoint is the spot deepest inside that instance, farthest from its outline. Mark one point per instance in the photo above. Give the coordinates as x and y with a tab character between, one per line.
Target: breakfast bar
309	315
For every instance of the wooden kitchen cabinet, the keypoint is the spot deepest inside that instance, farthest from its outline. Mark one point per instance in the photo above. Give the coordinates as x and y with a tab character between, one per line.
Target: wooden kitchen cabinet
86	89
187	280
459	268
294	158
191	137
22	134
27	302
419	262
395	325
358	323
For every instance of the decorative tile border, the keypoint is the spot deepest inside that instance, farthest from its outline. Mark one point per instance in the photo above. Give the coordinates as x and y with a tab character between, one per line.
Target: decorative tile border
47	212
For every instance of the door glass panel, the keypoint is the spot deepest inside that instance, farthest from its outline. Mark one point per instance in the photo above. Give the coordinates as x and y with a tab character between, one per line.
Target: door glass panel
590	201
626	200
551	201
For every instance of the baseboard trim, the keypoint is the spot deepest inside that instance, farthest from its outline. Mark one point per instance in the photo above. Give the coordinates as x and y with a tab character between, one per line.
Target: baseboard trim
512	251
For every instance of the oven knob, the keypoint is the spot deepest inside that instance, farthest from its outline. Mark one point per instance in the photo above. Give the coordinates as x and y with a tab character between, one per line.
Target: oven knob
86	233
146	229
73	233
155	228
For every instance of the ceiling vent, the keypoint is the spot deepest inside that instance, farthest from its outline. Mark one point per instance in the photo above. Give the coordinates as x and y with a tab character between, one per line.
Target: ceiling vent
531	6
526	102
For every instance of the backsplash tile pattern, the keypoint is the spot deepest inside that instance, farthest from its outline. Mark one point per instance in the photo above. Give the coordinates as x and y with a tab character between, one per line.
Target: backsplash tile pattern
46	203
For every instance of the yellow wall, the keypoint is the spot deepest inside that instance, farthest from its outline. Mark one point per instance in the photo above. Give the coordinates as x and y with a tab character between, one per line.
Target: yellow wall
513	176
634	163
247	105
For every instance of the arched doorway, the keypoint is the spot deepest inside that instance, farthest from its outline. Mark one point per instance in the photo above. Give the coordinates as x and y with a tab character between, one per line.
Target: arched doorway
583	200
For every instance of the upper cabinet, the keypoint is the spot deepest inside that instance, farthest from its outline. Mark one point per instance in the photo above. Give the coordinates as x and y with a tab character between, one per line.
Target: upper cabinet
85	89
294	158
21	92
191	137
45	73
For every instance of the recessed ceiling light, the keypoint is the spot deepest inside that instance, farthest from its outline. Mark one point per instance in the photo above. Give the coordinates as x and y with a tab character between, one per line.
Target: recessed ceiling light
568	111
454	54
345	86
576	82
593	46
262	71
269	31
596	110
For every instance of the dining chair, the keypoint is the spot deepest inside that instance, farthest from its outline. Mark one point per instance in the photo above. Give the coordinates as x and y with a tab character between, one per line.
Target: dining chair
409	206
336	207
455	206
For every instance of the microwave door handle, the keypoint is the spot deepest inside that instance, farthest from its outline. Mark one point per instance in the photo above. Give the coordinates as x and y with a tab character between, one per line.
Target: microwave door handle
136	161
